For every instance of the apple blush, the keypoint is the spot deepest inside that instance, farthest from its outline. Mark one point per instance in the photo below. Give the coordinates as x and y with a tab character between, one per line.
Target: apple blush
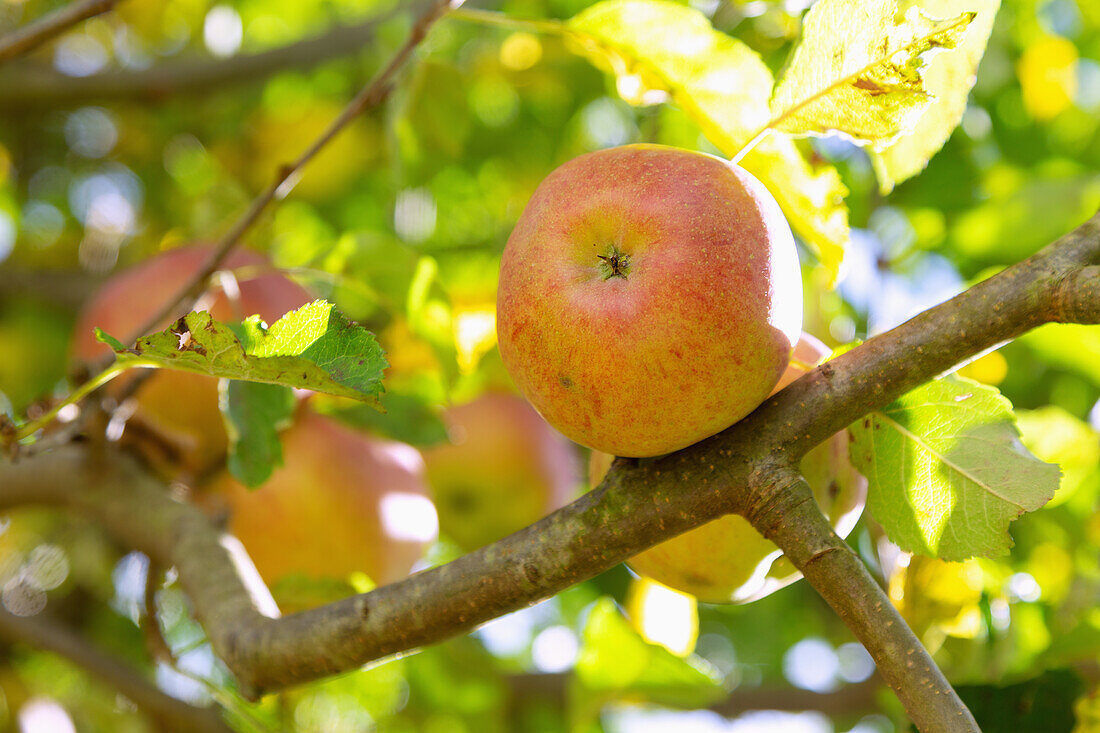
649	298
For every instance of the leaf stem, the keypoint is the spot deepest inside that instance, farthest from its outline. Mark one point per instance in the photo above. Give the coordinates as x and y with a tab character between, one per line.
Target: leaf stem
501	20
30	428
747	147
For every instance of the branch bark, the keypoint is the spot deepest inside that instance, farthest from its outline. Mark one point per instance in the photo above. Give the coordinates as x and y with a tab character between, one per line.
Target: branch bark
640	503
33	35
169	713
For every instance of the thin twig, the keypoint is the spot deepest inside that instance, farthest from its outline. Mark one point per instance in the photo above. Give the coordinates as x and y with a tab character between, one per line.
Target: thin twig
26	87
373	94
154	637
33	35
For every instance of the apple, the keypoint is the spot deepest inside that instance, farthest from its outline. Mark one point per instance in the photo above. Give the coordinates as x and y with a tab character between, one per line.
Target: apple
342	502
504	469
179	408
727	560
649	297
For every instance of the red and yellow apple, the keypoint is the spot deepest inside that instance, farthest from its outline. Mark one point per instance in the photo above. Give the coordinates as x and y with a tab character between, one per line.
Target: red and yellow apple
342	502
179	408
727	560
503	469
649	297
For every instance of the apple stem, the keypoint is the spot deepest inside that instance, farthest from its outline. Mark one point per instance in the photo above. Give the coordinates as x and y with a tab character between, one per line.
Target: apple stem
747	147
615	263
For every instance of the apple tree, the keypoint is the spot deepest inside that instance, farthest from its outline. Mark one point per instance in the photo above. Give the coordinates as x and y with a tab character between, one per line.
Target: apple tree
264	467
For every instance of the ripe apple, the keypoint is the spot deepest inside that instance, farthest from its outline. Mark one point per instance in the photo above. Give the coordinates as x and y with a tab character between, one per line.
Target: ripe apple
179	408
504	469
649	297
727	560
342	502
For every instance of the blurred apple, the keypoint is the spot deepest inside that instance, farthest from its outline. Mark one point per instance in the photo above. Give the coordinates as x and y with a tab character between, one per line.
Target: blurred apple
342	502
178	408
504	469
727	560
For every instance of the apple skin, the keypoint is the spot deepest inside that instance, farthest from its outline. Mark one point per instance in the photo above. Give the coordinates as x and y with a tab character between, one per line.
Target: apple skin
180	408
693	332
727	560
505	468
342	502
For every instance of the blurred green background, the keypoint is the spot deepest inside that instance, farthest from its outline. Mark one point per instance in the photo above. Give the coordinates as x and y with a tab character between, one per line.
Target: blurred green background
109	153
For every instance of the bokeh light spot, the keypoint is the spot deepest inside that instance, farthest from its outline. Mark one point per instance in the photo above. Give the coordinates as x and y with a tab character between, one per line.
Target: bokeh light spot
555	649
812	664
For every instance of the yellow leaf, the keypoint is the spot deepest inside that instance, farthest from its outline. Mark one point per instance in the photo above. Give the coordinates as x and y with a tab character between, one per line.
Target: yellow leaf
858	70
661	50
655	46
949	77
811	196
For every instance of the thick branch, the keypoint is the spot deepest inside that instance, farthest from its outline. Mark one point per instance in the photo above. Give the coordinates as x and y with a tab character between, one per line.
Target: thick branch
794	522
171	714
221	582
33	35
638	505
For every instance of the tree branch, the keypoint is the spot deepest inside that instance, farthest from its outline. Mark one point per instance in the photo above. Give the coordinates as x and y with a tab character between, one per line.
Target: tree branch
639	504
852	699
370	96
33	35
28	88
170	714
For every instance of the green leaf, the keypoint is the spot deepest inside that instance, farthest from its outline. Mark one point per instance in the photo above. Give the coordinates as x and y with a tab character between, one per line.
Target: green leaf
313	347
947	470
1044	703
616	663
858	70
1068	345
1011	226
948	78
1056	436
254	413
106	338
662	50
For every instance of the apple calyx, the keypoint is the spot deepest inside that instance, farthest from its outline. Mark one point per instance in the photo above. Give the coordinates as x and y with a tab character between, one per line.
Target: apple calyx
615	263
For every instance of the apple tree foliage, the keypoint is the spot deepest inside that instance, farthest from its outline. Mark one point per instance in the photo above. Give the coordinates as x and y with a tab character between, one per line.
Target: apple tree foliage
916	147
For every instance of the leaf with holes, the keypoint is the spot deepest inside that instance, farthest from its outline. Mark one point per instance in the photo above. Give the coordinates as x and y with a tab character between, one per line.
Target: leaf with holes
947	470
314	347
859	70
948	77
